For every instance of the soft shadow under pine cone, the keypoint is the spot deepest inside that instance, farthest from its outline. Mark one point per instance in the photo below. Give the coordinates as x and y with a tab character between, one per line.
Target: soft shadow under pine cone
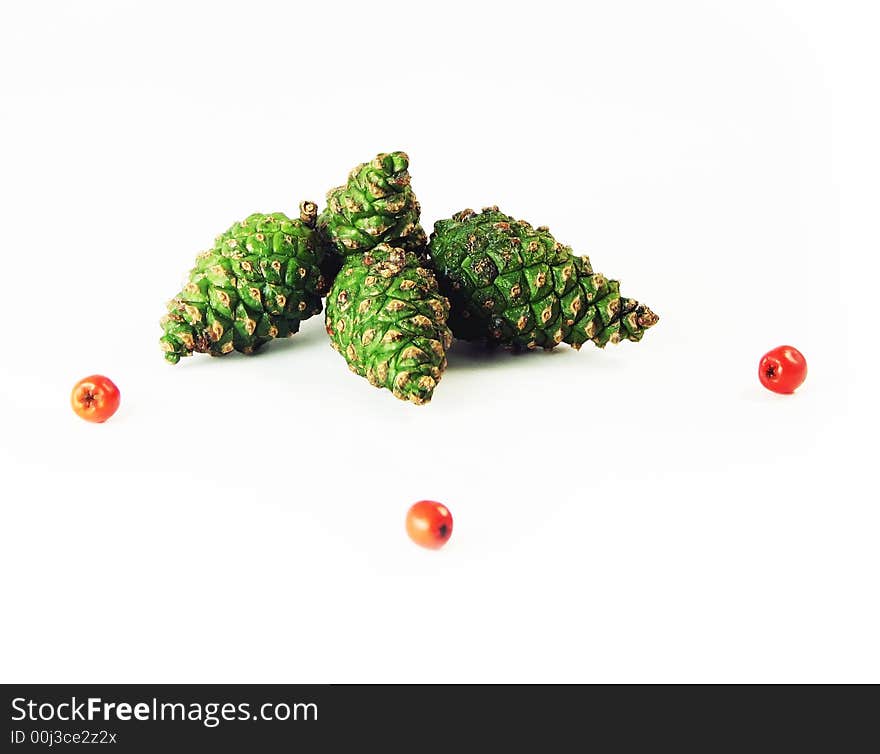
310	333
466	355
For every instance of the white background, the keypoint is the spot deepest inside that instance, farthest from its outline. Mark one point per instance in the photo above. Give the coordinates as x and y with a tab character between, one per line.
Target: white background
644	513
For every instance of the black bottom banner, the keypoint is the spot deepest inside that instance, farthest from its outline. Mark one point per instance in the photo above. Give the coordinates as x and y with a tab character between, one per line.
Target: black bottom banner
257	718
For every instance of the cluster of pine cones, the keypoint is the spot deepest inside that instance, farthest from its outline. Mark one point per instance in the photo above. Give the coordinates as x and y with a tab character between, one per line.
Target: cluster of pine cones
394	299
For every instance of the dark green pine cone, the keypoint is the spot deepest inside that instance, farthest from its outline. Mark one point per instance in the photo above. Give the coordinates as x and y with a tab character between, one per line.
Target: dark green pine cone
387	318
376	205
517	286
261	279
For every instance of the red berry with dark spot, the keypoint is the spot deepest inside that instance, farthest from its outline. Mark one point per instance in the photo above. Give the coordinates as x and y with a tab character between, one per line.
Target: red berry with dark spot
782	370
95	398
429	524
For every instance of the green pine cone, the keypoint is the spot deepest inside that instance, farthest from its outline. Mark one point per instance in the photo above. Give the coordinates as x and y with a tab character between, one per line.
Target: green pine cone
386	317
517	286
261	279
375	206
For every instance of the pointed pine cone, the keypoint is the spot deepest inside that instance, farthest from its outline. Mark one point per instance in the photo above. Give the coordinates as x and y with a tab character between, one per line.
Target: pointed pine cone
261	279
515	285
375	206
388	320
